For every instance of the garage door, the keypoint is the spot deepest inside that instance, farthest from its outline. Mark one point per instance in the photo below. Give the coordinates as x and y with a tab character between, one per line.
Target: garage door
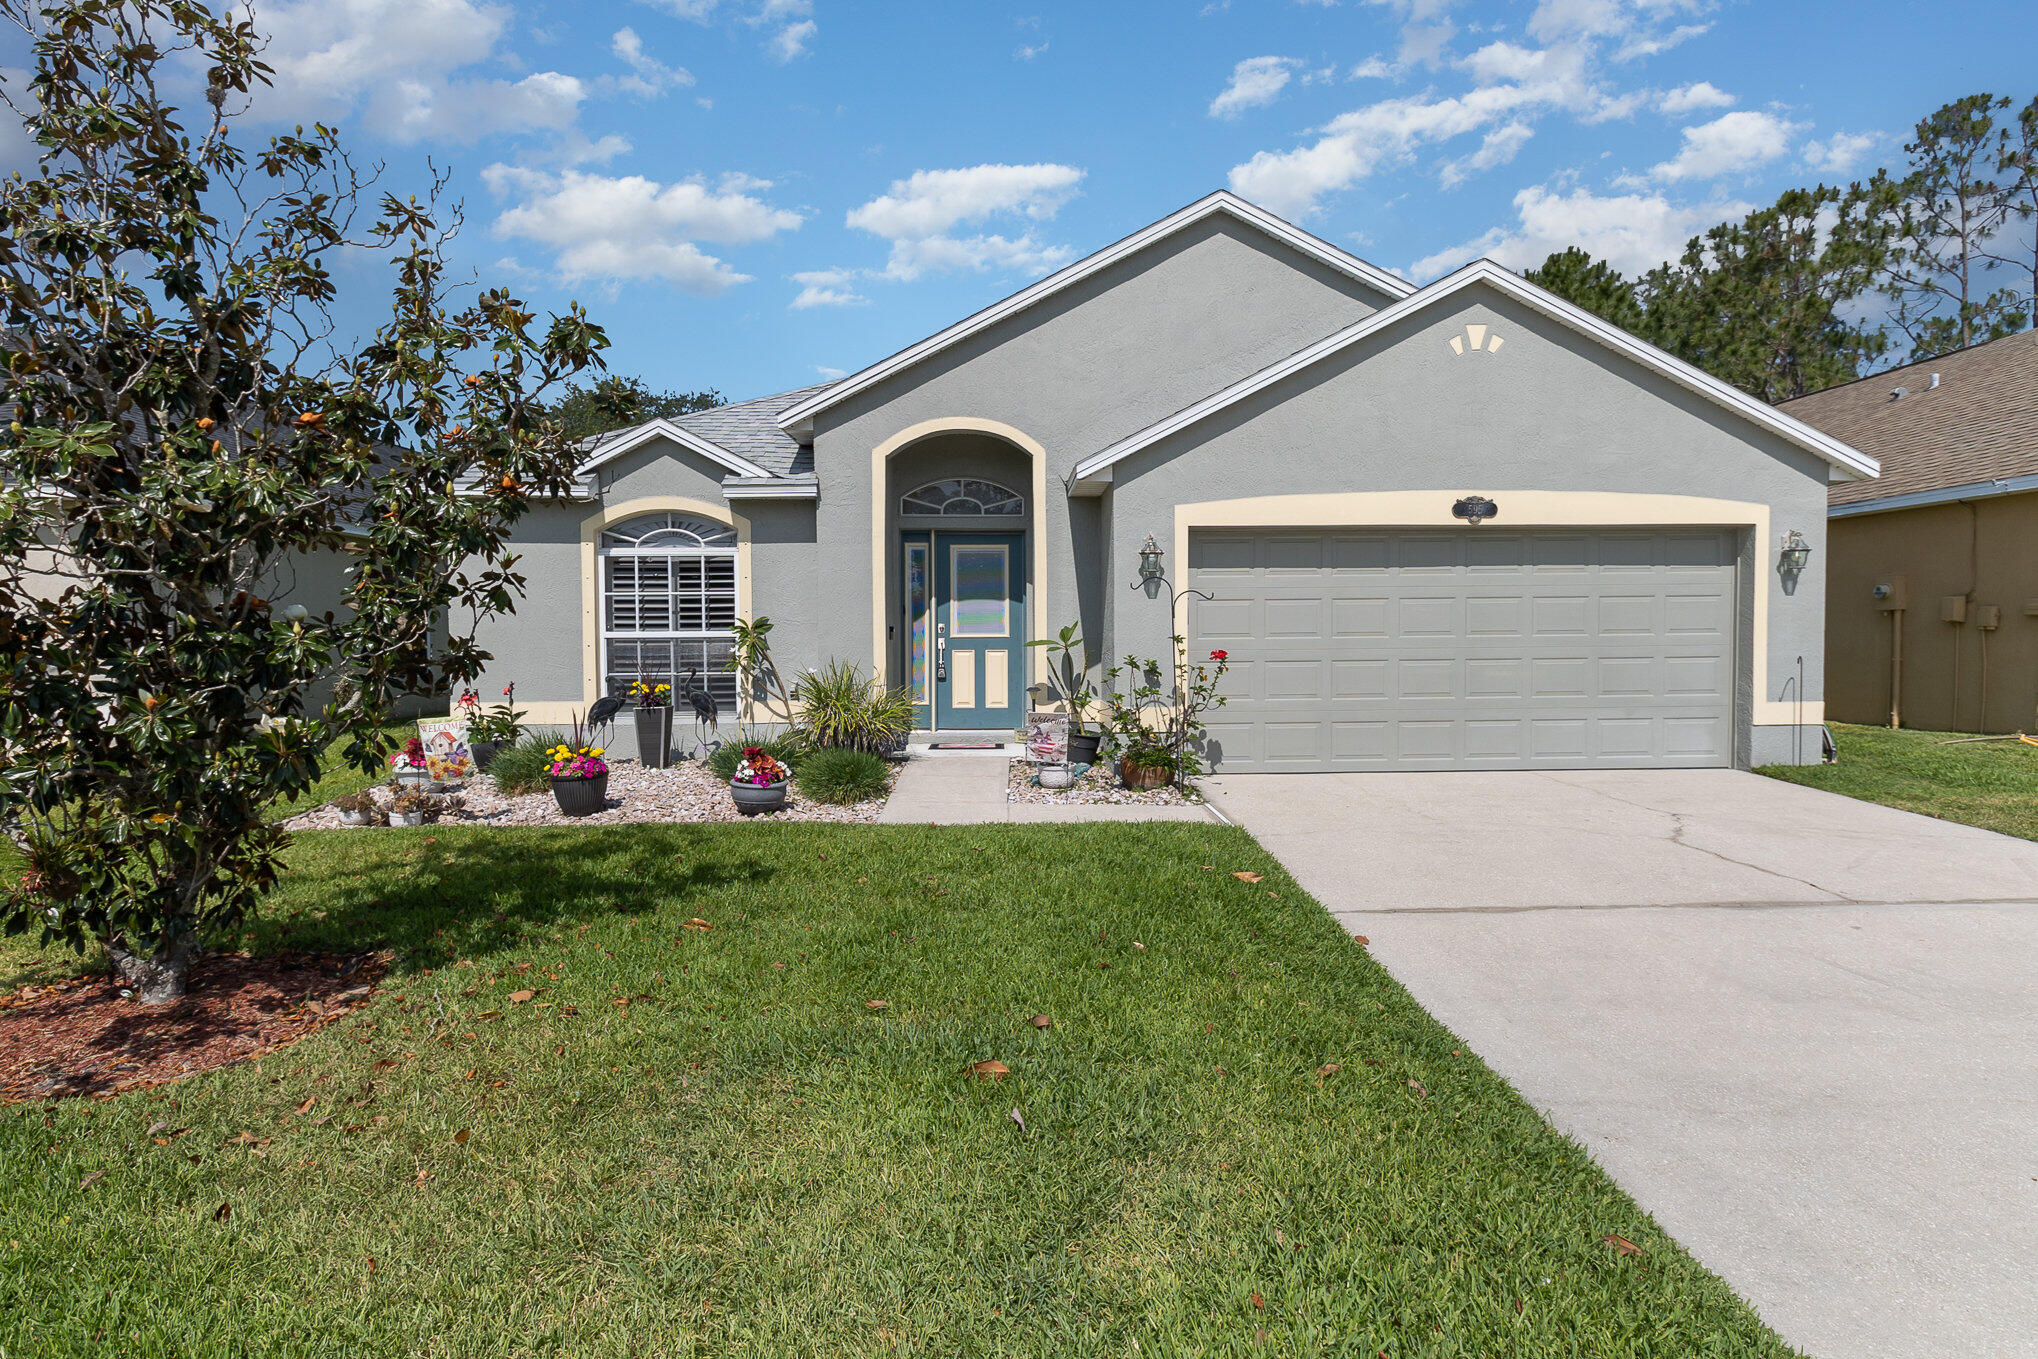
1473	649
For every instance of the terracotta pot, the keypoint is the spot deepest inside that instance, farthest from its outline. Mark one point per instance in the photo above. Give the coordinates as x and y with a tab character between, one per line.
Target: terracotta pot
1144	775
752	798
581	797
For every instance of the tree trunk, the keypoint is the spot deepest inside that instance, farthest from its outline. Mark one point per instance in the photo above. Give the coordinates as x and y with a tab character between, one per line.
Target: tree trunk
158	978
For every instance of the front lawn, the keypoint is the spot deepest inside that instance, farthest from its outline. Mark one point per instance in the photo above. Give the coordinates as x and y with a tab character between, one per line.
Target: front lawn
1991	784
1239	1135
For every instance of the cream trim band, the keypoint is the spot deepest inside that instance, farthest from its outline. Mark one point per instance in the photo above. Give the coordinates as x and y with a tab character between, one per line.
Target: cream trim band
880	546
1524	509
590	582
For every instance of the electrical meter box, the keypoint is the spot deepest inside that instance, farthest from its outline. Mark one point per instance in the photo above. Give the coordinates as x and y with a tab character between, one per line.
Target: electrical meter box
1892	592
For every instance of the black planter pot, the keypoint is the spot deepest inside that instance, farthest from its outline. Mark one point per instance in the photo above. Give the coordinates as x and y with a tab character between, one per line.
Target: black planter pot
484	753
654	736
581	797
752	798
1083	746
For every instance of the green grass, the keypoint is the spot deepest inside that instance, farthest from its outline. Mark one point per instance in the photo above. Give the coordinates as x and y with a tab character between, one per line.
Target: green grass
746	1159
1991	784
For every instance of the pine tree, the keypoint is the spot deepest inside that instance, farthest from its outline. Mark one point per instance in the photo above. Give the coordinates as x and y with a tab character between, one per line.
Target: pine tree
1574	275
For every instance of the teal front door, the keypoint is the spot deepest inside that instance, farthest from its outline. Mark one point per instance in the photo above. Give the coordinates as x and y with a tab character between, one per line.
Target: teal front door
965	631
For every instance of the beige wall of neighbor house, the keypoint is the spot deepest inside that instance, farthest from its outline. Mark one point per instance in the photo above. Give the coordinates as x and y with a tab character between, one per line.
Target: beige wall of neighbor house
1963	557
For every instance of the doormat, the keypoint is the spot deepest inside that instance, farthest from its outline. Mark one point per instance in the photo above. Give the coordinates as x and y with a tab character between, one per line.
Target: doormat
967	745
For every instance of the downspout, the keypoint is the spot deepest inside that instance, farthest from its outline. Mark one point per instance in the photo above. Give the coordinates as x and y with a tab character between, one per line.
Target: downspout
1896	669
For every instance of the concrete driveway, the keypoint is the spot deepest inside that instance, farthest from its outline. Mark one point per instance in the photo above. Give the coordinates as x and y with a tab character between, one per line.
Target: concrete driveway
1802	1031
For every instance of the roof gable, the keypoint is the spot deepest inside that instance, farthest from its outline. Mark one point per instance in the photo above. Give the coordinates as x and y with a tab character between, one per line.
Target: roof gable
1846	462
798	418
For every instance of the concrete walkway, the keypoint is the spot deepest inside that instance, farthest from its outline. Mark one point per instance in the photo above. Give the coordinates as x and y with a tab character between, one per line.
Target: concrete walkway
968	790
1801	1030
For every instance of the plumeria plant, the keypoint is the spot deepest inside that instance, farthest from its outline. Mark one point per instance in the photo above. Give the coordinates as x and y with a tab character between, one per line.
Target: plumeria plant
1162	728
760	768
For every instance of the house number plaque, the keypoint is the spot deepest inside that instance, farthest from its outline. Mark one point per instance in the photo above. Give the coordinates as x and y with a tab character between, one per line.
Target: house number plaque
1475	508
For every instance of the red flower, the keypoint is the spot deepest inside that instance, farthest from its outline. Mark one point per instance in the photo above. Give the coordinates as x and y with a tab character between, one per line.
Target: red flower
1220	656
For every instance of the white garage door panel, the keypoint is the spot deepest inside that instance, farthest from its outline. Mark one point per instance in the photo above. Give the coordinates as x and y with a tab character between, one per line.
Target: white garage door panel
1363	649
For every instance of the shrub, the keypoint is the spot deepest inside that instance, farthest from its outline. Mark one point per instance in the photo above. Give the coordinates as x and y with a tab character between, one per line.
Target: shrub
842	776
842	709
523	765
787	747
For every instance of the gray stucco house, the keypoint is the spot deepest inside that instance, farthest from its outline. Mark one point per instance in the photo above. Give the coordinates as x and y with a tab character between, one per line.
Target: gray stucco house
1296	428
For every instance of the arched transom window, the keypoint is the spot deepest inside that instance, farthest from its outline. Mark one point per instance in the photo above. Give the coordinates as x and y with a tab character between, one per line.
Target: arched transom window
962	495
669	604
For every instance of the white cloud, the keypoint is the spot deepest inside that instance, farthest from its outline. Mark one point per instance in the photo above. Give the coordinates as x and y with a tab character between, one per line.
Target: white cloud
1728	144
1255	83
1497	148
1693	99
616	228
1025	53
790	21
1841	152
791	41
396	64
828	374
1632	232
1373	68
1650	46
827	288
920	213
648	76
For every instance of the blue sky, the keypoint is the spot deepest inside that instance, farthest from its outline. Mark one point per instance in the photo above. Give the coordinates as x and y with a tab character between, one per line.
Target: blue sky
755	194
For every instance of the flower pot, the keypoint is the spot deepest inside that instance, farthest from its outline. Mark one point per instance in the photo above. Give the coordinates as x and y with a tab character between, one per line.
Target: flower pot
581	797
1056	776
355	818
406	818
483	752
411	775
752	798
1144	775
1083	746
654	736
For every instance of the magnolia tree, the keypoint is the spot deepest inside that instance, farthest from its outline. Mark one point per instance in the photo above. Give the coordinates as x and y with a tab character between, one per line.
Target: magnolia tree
186	431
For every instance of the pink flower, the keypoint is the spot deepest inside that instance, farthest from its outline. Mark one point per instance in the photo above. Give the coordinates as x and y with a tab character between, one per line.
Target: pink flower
1220	656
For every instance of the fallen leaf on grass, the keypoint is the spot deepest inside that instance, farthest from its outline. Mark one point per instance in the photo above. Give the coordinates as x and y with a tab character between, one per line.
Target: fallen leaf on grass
1418	1087
371	1264
460	1138
990	1071
1019	1119
1247	876
99	1175
1138	947
423	1175
1621	1244
1042	1022
305	1107
155	1128
1329	1069
1259	1302
877	1005
696	923
223	1212
1361	940
489	1014
519	997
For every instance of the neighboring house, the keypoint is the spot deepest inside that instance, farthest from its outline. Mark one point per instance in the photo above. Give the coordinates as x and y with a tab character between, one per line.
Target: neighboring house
1949	533
1295	429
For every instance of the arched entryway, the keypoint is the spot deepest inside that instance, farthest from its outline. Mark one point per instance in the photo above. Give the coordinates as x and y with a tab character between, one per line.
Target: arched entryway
959	587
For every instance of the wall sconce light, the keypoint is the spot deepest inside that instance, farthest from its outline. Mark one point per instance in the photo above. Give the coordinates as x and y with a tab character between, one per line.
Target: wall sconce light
1795	553
1150	560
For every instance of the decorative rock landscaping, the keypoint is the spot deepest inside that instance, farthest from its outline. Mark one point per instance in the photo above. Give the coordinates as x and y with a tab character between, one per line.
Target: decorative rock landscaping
687	792
1099	785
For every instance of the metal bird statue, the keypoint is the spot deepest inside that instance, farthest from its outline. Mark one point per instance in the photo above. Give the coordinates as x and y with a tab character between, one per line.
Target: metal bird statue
604	712
704	711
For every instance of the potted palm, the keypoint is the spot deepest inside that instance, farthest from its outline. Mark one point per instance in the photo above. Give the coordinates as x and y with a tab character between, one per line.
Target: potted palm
652	710
759	782
1068	679
579	775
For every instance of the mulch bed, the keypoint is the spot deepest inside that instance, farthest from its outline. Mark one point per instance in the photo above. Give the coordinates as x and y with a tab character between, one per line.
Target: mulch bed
80	1037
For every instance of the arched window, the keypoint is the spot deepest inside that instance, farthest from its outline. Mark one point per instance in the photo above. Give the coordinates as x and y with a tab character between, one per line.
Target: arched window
668	604
962	495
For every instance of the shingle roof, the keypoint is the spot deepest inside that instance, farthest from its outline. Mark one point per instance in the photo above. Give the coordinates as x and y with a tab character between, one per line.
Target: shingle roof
1978	424
749	429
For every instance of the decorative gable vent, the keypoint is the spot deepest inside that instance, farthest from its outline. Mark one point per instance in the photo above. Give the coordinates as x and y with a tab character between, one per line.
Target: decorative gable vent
1475	339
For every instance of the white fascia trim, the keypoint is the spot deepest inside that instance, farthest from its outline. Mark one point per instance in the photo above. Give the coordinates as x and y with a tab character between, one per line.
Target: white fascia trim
629	440
1848	463
1973	490
771	488
1222	201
